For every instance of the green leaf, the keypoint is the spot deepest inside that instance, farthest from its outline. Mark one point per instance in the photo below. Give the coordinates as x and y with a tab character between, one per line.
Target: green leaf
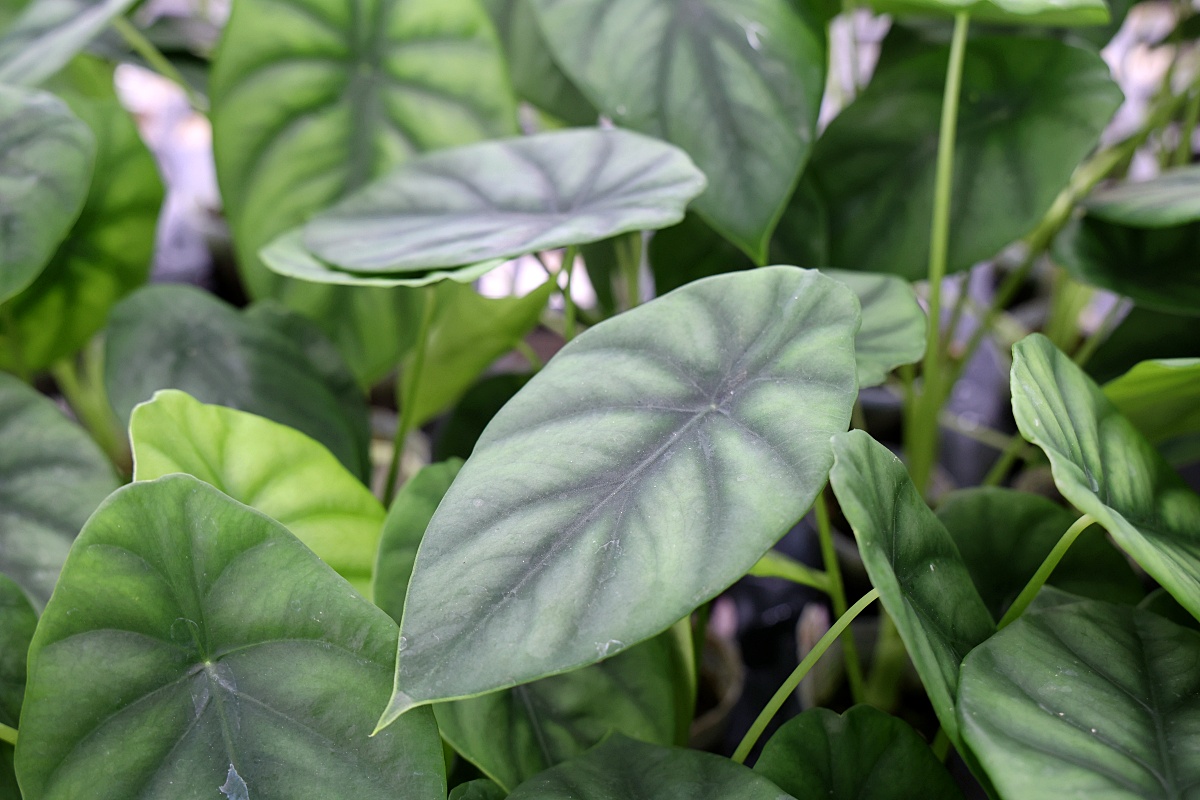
107	253
49	33
1161	398
1086	700
232	657
874	165
47	163
631	480
735	83
17	623
1103	466
1009	12
1144	334
52	477
465	423
478	790
177	337
863	754
912	561
312	99
1005	535
506	198
623	768
893	324
267	466
1172	198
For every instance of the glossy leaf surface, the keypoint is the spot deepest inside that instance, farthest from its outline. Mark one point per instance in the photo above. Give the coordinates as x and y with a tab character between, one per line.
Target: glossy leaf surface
629	481
506	198
44	173
1009	12
1086	700
623	768
874	165
893	324
52	477
863	754
1161	398
233	658
735	83
175	337
912	561
49	33
17	623
1107	469
1172	198
267	466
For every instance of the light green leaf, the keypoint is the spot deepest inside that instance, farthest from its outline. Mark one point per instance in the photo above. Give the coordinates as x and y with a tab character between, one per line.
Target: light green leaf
632	479
912	561
735	83
506	198
1086	700
52	477
629	770
478	790
17	623
863	754
1161	398
49	33
1173	198
108	251
46	156
893	324
177	337
874	165
1105	468
1007	12
267	466
232	657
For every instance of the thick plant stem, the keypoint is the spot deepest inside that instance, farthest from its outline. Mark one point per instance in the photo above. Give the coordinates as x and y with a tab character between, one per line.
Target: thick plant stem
144	48
8	734
1043	574
837	597
408	405
83	387
789	686
629	263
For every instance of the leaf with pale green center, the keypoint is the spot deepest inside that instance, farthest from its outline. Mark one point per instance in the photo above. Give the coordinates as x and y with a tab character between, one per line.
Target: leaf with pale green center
1105	468
1007	12
271	467
629	770
1172	198
46	157
1161	398
506	198
49	33
231	657
912	561
735	83
863	754
874	165
1086	700
52	477
630	480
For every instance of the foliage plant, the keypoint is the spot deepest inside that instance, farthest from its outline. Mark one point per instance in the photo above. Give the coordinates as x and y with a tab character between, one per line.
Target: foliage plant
219	580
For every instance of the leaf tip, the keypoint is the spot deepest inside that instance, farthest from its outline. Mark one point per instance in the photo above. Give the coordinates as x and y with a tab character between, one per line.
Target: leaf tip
400	704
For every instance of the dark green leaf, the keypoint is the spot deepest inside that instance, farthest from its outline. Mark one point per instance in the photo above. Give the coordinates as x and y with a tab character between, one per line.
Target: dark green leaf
176	337
893	324
1019	12
1086	700
465	424
874	166
1161	398
478	790
17	623
1173	198
1107	469
1144	334
863	754
44	172
52	476
232	657
912	561
628	770
735	83
632	479
49	33
1004	536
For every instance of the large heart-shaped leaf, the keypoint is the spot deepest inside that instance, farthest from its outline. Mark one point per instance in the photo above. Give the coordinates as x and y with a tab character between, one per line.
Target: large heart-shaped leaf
735	83
1161	398
268	466
893	324
46	155
1005	535
632	479
505	198
863	754
1172	198
1009	12
478	790
912	561
1107	469
107	253
176	337
875	164
233	661
1086	700
623	768
52	476
49	33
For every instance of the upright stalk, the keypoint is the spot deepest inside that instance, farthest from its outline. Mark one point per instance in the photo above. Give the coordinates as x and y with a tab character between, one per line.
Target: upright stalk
157	61
408	404
569	311
1043	574
837	597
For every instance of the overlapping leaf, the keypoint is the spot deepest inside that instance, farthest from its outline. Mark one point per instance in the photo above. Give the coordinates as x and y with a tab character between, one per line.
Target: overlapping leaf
1009	12
1172	198
1161	398
893	324
49	33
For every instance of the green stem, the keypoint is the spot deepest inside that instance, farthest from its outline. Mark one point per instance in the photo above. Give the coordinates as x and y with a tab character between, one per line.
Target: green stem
777	565
629	263
160	63
1016	446
1187	129
16	353
941	744
8	734
837	596
1099	336
887	665
700	636
87	398
535	361
789	686
569	312
408	405
1043	574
